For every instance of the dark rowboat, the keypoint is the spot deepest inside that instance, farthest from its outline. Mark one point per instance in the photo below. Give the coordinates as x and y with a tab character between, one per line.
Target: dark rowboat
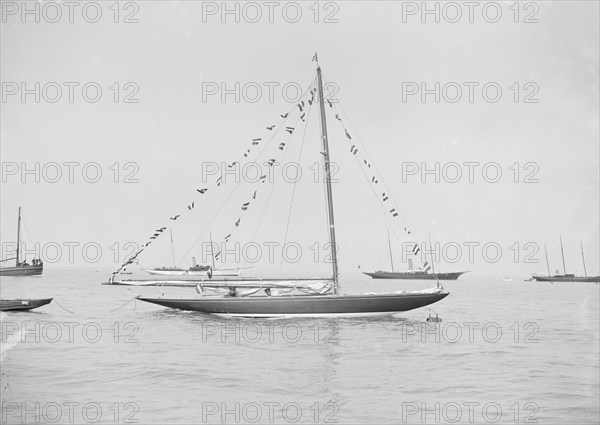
23	304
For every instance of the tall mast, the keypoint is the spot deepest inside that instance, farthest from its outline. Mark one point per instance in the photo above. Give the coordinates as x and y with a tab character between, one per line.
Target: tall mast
172	246
326	160
583	259
547	262
432	257
562	252
18	235
390	248
212	252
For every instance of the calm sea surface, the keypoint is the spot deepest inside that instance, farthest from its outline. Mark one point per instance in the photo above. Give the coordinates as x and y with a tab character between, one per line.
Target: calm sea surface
506	352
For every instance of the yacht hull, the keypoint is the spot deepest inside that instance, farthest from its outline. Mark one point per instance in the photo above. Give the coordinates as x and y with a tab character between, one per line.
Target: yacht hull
302	306
414	276
567	278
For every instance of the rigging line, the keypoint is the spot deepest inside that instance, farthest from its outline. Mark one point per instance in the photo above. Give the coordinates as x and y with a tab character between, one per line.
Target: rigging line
287	116
386	187
287	227
274	184
256	158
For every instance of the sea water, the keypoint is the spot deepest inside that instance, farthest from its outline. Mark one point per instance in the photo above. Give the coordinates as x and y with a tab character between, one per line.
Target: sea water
505	352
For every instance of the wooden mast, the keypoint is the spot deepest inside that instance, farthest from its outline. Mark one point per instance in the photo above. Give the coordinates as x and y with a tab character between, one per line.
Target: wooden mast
18	236
583	259
326	160
212	252
390	248
562	252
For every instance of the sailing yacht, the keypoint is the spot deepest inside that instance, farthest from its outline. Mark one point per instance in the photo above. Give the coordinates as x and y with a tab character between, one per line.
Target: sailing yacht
22	268
411	273
564	276
318	297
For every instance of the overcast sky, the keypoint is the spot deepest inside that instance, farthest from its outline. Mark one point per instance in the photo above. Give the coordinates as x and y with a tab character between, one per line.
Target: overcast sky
373	53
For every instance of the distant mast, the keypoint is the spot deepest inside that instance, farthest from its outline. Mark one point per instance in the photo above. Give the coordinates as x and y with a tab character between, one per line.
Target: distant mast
326	160
390	248
562	252
583	259
18	235
547	262
432	257
172	247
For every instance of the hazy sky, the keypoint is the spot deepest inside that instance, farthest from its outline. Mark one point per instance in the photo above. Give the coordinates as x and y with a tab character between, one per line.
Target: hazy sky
374	54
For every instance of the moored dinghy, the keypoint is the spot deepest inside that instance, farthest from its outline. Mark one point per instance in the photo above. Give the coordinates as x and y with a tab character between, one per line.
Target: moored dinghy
318	298
23	304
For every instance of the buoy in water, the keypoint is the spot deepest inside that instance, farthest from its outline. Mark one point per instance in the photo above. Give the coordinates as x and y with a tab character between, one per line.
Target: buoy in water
435	319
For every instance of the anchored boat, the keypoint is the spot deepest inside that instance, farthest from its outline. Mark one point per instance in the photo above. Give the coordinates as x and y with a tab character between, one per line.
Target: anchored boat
565	277
23	304
411	274
22	268
295	297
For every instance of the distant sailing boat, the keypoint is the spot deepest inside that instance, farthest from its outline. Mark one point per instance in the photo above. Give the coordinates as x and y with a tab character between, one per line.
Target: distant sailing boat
22	268
325	298
411	273
564	276
195	270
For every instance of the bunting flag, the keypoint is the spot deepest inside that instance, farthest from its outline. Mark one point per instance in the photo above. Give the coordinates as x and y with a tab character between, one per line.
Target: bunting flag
416	249
348	135
393	212
254	142
385	197
374	180
217	255
354	149
330	104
